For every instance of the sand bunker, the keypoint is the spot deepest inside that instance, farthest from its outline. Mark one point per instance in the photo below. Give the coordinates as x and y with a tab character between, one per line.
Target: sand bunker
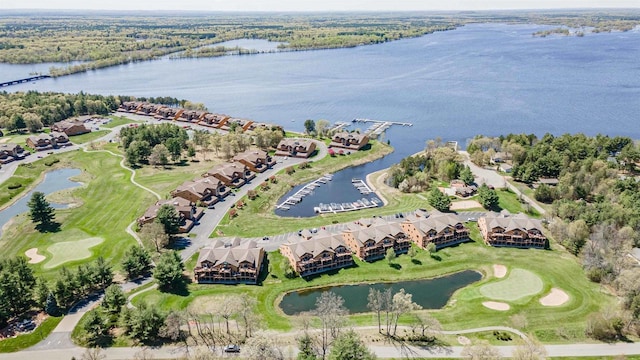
494	305
33	256
499	271
465	204
556	297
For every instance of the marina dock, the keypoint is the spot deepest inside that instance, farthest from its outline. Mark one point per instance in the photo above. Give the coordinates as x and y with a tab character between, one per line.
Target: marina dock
304	191
335	208
361	186
379	126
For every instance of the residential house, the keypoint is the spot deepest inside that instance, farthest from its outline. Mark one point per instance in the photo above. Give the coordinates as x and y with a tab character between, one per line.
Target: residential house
205	191
166	113
214	120
59	139
234	174
466	191
70	127
191	115
147	109
438	228
512	231
256	160
131	106
369	239
505	168
321	253
302	148
229	263
189	213
40	142
499	157
349	140
244	124
11	152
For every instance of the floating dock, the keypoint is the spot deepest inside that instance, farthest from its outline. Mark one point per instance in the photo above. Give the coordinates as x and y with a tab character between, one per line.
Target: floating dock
304	191
379	126
362	186
335	208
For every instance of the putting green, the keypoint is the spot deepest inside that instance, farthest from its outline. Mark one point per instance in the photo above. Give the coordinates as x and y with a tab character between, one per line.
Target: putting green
519	284
63	252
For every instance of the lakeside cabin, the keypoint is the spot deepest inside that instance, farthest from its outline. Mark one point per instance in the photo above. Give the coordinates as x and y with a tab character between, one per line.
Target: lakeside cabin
349	140
188	212
71	127
301	148
369	239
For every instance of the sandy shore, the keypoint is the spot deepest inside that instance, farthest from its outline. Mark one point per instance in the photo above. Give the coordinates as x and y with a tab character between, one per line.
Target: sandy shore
499	271
556	297
33	256
376	185
494	305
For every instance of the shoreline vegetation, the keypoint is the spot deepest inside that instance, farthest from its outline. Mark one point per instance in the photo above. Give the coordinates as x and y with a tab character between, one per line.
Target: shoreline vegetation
105	40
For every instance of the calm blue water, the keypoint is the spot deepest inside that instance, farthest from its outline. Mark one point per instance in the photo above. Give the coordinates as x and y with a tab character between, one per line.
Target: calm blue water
487	78
429	293
53	181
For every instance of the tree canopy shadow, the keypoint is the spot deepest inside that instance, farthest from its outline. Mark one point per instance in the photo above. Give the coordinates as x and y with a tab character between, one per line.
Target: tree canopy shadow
48	227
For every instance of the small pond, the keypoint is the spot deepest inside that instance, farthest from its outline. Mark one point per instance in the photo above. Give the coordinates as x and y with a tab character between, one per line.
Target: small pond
53	181
429	293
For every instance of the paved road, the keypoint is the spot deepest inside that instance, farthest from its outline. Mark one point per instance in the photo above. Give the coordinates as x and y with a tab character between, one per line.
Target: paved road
493	178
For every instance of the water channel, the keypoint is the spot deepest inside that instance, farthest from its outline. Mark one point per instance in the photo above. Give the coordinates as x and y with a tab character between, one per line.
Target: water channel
56	180
430	293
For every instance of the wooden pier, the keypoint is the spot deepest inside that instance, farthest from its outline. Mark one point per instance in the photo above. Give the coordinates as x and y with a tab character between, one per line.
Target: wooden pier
25	80
361	186
348	206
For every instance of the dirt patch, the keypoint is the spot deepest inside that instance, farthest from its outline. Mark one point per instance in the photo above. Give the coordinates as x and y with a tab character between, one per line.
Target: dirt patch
465	204
499	271
463	340
556	297
33	256
4	140
494	305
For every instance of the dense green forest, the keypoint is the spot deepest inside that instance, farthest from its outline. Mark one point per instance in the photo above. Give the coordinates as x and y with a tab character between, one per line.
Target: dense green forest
97	40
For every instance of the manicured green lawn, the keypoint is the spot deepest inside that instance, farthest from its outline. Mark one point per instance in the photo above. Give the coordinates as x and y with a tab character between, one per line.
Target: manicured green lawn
24	341
555	268
108	204
88	137
509	201
517	285
66	251
163	180
117	121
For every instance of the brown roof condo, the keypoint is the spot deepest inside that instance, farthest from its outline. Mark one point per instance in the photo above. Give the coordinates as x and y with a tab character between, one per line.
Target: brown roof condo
348	140
229	263
302	148
369	239
70	127
256	160
512	231
234	174
438	228
318	254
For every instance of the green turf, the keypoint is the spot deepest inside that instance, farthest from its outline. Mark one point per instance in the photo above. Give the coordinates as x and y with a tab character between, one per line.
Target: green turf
108	204
117	121
88	137
517	285
67	251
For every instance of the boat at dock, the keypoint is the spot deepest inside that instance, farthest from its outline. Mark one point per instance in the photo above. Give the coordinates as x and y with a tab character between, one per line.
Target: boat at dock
335	208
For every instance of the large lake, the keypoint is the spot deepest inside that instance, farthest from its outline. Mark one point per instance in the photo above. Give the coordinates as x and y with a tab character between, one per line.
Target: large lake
485	78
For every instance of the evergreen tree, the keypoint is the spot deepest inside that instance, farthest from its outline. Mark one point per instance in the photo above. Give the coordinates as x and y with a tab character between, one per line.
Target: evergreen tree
95	326
41	293
114	299
467	176
168	271
309	126
40	211
305	344
136	262
169	218
349	346
488	197
51	305
439	200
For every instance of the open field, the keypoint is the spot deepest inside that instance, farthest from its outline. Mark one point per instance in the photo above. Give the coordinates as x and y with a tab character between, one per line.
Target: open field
88	137
518	285
117	121
163	180
109	203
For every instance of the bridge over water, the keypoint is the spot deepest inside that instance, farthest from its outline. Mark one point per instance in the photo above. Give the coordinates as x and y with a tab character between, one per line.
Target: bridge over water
25	80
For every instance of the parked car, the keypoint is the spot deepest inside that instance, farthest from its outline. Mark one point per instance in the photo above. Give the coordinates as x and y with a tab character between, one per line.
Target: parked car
232	348
266	238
